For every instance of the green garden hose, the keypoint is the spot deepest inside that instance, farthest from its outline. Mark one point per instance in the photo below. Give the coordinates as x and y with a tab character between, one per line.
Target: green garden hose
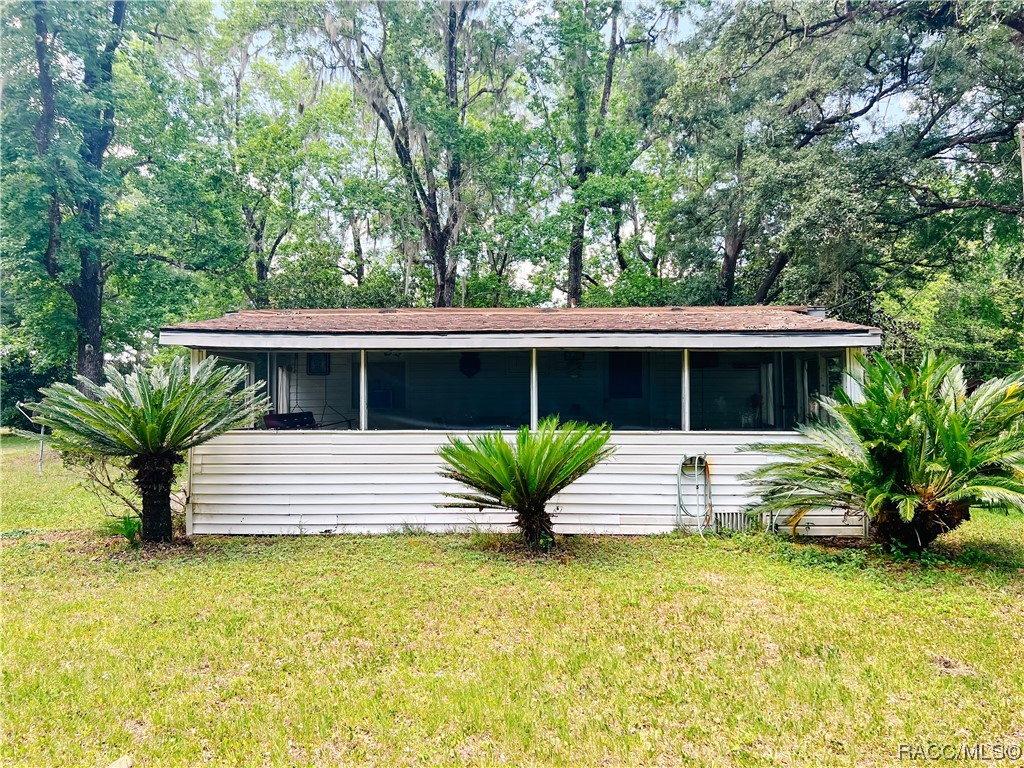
700	470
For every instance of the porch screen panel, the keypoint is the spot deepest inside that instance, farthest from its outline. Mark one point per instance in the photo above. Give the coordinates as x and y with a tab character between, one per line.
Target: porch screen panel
628	389
323	384
759	390
448	390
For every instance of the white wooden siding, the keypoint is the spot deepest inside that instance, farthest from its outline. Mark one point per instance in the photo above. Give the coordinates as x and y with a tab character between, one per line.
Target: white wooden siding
267	482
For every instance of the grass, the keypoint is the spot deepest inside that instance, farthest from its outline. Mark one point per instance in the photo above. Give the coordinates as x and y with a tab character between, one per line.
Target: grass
55	501
464	650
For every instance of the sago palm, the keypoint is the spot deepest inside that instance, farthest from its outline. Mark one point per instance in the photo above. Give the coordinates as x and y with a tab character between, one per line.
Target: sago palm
151	418
913	456
524	475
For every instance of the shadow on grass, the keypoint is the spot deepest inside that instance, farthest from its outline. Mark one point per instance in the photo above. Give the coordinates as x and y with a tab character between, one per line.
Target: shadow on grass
993	540
983	555
568	548
976	548
988	545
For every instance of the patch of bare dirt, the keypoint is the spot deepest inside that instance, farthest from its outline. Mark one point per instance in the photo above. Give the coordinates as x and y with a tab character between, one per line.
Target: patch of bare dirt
947	666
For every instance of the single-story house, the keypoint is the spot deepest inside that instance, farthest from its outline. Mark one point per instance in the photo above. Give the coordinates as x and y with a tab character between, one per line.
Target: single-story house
362	398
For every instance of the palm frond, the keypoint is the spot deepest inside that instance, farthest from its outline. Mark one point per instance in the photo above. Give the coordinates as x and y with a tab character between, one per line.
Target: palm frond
918	445
528	470
162	410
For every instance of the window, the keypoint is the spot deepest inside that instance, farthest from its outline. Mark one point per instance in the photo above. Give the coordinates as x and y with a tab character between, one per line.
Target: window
755	390
448	390
627	389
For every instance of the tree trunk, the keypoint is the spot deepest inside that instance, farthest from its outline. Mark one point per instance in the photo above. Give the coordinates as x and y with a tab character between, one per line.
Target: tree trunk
357	250
87	294
86	289
928	523
575	287
261	289
444	276
733	247
448	290
735	237
89	311
154	477
537	528
620	254
764	290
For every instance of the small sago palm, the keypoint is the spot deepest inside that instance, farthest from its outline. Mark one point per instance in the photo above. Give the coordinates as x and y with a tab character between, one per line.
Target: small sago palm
151	418
913	456
525	475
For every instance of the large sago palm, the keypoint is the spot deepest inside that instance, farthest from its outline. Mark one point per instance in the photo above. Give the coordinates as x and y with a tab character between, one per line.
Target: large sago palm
150	418
524	475
913	456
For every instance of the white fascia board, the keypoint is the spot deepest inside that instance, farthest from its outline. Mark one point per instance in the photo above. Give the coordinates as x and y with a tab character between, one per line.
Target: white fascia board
230	340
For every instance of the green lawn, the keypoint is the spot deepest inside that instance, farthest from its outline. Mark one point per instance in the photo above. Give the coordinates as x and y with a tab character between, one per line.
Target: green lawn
403	650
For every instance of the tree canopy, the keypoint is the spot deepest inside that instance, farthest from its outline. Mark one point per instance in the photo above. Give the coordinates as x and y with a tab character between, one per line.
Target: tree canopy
173	160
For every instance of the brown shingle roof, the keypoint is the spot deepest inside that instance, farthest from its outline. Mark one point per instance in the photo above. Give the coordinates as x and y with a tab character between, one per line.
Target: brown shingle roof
757	319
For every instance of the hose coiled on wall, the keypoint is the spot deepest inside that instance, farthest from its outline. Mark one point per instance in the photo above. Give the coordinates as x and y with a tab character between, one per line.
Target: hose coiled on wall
701	470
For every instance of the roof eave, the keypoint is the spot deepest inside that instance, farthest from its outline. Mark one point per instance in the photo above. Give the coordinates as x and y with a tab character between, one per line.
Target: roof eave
295	339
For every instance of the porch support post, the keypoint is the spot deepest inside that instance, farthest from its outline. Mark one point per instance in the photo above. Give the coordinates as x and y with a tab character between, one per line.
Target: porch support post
196	356
271	381
686	390
363	418
534	396
852	372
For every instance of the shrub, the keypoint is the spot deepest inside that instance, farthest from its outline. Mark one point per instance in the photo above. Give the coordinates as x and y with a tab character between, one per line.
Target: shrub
151	418
523	477
128	526
913	456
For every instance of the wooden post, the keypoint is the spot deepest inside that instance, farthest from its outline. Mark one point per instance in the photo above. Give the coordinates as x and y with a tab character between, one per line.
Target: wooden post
534	391
852	372
271	381
686	390
196	356
363	412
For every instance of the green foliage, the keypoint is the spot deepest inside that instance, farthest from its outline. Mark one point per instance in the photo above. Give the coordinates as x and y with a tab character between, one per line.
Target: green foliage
525	475
750	155
913	456
638	288
153	412
316	281
129	526
791	153
974	312
20	381
96	212
150	417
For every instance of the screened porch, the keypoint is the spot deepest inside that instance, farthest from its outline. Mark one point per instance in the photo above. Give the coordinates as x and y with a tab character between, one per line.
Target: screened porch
656	390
